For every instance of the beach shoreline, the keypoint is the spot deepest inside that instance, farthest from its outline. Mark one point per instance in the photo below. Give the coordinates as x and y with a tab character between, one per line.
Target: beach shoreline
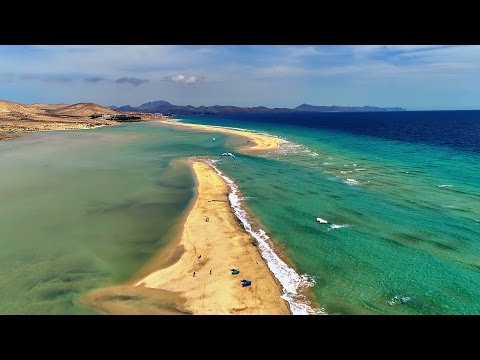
201	280
194	269
255	142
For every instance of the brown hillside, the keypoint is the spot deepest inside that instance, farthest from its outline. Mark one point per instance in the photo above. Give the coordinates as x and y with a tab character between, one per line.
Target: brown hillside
15	118
47	106
82	109
8	107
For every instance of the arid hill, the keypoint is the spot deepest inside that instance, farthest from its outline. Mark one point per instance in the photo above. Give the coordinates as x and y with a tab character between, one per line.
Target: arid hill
82	109
10	108
48	106
16	117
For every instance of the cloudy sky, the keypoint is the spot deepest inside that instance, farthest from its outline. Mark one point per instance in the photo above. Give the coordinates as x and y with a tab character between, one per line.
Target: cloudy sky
415	77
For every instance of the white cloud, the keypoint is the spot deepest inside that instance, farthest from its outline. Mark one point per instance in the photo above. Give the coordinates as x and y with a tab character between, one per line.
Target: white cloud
182	79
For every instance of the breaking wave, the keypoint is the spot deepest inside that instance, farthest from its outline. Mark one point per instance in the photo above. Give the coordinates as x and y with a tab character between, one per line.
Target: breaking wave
335	226
293	284
399	299
351	182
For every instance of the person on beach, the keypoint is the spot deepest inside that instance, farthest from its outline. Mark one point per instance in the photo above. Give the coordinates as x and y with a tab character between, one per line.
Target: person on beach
194	274
199	256
210	271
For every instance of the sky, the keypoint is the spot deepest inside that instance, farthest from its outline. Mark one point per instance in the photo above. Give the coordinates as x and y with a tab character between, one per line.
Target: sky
415	77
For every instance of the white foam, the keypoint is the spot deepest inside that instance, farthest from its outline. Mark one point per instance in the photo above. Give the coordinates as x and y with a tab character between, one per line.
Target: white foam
327	163
335	226
290	148
399	299
443	186
351	182
322	221
292	283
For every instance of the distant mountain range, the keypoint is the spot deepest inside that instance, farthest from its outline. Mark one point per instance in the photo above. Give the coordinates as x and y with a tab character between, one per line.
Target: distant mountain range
165	107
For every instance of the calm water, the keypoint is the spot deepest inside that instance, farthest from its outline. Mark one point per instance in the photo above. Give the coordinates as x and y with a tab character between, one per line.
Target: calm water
85	209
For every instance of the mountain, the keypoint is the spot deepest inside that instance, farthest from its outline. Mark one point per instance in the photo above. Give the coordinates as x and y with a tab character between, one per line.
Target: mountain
165	107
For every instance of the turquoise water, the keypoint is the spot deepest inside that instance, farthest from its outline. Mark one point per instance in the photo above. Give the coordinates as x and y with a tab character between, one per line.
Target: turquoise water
410	244
86	209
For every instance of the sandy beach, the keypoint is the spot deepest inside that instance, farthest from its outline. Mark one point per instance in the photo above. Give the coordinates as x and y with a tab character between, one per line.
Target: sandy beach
193	274
256	142
212	240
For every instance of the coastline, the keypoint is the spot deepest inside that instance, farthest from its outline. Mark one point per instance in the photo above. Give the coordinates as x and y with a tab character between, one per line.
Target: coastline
226	241
256	142
221	246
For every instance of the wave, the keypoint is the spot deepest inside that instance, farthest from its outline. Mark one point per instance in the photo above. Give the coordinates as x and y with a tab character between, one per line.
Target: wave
351	182
399	299
292	283
444	186
292	148
335	226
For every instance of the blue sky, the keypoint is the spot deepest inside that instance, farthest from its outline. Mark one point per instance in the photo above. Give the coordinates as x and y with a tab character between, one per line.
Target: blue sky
415	77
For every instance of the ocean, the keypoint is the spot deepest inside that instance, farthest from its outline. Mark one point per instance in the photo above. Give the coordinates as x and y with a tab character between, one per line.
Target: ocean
86	209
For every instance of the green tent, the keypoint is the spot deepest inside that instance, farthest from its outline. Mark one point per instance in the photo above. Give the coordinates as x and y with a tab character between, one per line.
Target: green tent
235	271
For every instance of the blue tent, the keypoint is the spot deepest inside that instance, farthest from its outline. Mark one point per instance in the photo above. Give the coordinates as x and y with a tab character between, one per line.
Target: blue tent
246	283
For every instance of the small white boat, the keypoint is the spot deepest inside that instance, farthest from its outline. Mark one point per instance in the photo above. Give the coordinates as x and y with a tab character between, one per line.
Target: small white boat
322	221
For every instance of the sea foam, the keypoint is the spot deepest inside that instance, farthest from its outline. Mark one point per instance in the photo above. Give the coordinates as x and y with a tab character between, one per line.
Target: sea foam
335	226
351	182
398	299
292	283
